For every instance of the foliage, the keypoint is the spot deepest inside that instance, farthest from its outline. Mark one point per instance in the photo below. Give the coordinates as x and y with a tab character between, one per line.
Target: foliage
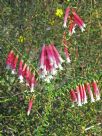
25	25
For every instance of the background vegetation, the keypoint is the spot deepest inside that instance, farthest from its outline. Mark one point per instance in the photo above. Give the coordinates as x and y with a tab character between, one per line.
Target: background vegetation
24	27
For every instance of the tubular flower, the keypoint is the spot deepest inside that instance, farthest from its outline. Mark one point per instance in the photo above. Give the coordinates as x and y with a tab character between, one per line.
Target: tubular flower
84	95
50	60
78	96
10	59
66	17
73	97
20	71
14	64
29	107
27	76
87	86
32	83
81	93
78	21
96	90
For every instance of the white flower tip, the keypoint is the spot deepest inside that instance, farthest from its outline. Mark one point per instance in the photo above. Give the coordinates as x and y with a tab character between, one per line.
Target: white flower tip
72	105
82	29
8	67
64	25
54	72
98	98
79	104
84	25
92	100
13	72
28	113
20	78
60	67
68	60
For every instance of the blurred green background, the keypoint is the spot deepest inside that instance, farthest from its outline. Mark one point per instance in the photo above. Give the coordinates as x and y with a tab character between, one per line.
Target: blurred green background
24	26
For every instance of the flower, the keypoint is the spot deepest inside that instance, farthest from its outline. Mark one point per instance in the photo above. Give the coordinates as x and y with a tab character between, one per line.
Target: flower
87	86
73	96
79	99
10	59
59	12
32	82
96	90
78	21
27	76
20	71
50	61
29	107
84	95
14	64
66	17
21	39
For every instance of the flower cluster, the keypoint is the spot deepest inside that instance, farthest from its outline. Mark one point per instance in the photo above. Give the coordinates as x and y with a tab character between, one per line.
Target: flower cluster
23	70
50	62
74	20
79	95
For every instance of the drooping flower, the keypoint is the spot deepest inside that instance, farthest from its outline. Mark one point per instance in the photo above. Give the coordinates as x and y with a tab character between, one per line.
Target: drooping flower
73	97
29	107
50	61
78	96
87	86
78	21
28	76
20	71
66	17
32	83
96	90
81	93
84	95
10	59
14	64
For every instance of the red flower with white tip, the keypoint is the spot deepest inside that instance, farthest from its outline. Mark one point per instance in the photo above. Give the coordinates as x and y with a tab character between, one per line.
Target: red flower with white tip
29	107
78	21
81	93
49	62
14	64
96	90
32	83
84	95
27	76
73	97
42	57
66	17
78	96
10	59
87	86
20	71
